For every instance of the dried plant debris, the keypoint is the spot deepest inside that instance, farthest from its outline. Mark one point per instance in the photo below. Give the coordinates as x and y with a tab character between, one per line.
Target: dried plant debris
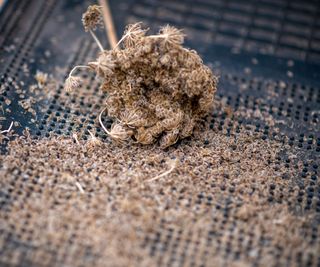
93	203
157	89
228	198
41	78
92	18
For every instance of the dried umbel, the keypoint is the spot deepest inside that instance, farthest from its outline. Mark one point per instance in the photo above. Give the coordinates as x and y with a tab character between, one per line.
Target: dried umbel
92	18
171	35
72	82
132	35
157	89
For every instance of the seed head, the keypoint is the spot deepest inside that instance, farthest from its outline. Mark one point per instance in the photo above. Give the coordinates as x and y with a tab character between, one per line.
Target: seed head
72	82
132	118
120	133
173	121
104	65
133	34
144	136
170	138
172	35
94	141
92	18
156	89
41	78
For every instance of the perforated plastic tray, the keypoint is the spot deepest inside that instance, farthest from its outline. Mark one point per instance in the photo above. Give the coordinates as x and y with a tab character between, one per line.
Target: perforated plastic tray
267	54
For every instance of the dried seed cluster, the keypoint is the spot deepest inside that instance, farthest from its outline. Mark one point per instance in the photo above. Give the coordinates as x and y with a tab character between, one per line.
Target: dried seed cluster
157	89
92	18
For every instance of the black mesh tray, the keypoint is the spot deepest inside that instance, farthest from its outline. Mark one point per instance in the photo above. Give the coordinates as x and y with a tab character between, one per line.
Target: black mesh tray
267	54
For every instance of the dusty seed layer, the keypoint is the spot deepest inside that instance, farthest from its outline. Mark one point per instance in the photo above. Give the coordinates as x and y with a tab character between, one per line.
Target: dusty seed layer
89	203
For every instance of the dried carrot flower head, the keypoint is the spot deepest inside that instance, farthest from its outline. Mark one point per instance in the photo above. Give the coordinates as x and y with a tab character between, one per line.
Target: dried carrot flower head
133	34
92	18
157	89
72	82
172	35
104	65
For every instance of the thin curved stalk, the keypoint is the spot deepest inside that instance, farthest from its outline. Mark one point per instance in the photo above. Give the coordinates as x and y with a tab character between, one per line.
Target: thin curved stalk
101	123
173	166
97	40
76	67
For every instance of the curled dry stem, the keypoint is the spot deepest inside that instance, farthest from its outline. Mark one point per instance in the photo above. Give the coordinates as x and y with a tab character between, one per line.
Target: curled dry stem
8	130
80	188
172	163
118	131
75	137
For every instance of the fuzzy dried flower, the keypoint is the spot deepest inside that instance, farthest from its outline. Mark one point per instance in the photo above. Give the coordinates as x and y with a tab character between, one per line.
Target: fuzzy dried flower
120	133
144	136
173	121
94	141
104	65
72	82
172	35
41	78
169	139
156	88
133	34
92	18
131	118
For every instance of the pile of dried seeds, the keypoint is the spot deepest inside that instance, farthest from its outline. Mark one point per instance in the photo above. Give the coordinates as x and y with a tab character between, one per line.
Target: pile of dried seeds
90	203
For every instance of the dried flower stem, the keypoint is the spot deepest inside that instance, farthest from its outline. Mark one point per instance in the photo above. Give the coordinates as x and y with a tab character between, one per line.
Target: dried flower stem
91	134
120	41
101	123
77	67
94	140
8	130
73	82
79	186
108	21
96	40
132	31
75	137
173	164
118	132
